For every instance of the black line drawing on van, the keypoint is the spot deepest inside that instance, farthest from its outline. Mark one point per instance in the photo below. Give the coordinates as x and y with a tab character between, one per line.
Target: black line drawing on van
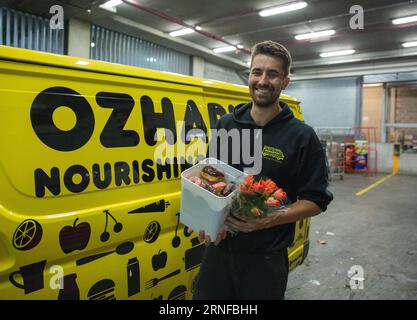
133	276
70	290
178	293
154	281
159	260
116	228
194	256
102	290
121	249
158	206
32	275
152	232
75	237
27	235
176	241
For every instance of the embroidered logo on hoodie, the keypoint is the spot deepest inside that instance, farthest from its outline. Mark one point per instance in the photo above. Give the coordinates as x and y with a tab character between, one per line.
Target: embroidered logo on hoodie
272	153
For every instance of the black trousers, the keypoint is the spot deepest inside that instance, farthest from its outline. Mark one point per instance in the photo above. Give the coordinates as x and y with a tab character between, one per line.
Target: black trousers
227	275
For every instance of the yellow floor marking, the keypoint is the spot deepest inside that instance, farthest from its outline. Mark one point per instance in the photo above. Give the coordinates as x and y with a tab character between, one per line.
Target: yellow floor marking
395	164
374	185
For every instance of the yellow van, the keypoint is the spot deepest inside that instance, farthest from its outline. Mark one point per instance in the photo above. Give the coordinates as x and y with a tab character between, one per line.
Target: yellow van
86	212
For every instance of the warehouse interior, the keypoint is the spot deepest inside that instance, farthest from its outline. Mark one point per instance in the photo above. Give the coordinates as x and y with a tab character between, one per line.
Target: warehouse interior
354	72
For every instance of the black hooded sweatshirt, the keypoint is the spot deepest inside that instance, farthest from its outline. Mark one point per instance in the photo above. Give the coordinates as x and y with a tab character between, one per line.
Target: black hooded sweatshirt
293	157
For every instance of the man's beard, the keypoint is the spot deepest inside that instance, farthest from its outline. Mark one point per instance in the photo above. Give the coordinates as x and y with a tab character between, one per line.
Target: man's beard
265	101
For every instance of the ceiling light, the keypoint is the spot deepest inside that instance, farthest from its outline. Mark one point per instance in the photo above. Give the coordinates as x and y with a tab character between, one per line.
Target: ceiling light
181	32
110	5
370	85
283	8
336	53
405	20
198	28
239	46
224	49
409	44
92	44
314	35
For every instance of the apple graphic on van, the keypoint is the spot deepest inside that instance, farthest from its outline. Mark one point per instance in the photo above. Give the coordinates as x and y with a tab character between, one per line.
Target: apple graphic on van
74	237
159	260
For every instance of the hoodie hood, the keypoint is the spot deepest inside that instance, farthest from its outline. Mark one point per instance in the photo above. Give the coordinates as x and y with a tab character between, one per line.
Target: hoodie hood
241	114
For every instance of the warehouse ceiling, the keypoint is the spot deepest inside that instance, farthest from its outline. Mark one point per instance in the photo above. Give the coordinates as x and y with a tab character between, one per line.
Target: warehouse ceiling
238	22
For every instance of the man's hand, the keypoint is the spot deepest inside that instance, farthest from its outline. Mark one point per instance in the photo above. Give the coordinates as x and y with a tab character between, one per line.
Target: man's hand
221	235
299	210
248	224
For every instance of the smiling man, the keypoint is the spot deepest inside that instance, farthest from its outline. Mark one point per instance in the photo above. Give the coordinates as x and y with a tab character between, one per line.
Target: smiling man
252	262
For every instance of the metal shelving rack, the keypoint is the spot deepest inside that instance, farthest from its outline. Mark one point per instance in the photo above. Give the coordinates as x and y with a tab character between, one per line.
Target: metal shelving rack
362	133
332	140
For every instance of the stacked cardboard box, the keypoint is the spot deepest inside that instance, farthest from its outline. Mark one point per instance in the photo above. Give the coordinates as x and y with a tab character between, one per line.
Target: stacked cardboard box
336	154
410	142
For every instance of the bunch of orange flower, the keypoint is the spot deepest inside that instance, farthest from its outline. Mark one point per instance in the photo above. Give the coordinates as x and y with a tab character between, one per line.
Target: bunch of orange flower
257	197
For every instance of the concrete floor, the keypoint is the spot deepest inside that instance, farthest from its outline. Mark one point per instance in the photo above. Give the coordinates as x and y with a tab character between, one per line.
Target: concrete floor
377	231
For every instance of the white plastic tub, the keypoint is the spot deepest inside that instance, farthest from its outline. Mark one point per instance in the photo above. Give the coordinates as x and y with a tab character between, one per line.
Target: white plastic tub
201	209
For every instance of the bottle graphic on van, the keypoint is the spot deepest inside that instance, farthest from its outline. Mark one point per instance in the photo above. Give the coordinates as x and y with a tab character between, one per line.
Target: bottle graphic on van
133	276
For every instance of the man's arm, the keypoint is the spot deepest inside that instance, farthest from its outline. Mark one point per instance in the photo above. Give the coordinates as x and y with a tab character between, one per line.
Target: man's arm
298	210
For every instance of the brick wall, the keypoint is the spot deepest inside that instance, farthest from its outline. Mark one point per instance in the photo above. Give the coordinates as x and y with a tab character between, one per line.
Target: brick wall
406	105
406	109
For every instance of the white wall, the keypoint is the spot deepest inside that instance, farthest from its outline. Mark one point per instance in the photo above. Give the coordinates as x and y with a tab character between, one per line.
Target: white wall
79	38
385	154
328	102
216	72
407	165
198	67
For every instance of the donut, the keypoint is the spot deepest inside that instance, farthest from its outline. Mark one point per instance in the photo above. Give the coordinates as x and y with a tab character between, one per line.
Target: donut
211	174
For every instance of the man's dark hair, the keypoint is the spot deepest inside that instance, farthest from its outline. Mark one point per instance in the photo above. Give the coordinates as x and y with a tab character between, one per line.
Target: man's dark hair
275	50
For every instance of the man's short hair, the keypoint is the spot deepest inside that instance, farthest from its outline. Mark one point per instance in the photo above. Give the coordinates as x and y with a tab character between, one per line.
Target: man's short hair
275	50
